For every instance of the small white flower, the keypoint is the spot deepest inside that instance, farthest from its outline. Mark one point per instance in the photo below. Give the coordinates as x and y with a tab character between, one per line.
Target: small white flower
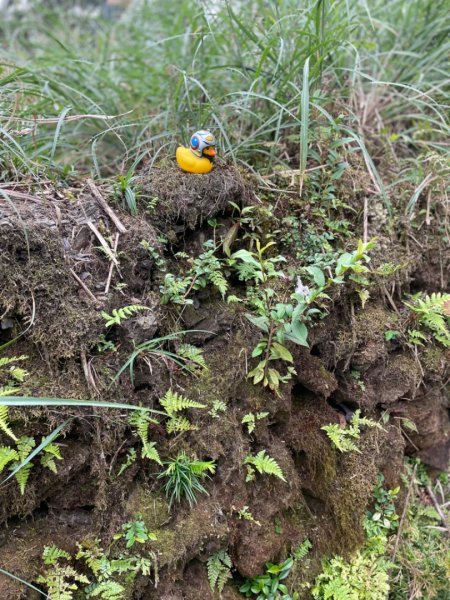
301	289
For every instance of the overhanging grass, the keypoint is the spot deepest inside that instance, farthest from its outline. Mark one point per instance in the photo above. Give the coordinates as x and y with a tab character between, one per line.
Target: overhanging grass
163	70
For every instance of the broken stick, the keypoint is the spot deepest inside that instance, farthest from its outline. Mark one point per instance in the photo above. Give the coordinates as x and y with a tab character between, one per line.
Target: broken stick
108	210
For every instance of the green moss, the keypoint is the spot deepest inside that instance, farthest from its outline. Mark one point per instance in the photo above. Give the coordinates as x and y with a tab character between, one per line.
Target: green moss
151	507
433	359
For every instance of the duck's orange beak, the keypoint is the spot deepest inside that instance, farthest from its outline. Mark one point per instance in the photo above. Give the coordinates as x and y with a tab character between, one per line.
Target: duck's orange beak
209	151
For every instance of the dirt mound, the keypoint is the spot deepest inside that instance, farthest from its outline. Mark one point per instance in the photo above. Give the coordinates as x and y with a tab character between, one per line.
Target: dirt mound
64	258
189	200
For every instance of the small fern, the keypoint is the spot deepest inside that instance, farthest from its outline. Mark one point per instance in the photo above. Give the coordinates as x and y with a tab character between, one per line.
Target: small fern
50	454
129	460
24	446
433	314
219	570
302	550
343	438
51	555
60	580
141	420
264	464
7	455
4	418
174	403
121	314
219	281
193	355
250	420
218	406
107	590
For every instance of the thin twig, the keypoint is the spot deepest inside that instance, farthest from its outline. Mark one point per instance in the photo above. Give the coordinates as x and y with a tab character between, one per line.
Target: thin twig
21	195
103	242
111	266
108	210
87	373
438	509
405	509
84	286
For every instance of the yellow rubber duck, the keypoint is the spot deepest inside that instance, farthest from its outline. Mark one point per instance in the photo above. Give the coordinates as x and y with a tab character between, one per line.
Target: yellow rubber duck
199	157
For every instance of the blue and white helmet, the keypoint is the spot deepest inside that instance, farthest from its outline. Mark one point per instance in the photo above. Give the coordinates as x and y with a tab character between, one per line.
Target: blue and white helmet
200	140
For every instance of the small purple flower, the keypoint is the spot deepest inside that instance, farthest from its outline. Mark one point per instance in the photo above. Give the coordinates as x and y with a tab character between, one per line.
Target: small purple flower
301	289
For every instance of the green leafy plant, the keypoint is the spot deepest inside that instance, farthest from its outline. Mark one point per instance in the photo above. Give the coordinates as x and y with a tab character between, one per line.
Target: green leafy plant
245	513
278	321
135	532
432	314
264	464
343	438
173	403
383	518
121	314
205	269
154	253
282	321
183	478
250	420
269	586
219	570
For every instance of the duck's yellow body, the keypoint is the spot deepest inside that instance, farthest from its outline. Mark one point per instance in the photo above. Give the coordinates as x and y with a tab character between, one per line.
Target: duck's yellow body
192	164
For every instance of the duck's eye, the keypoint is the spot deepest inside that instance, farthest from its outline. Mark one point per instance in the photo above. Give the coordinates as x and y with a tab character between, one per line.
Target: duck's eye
195	142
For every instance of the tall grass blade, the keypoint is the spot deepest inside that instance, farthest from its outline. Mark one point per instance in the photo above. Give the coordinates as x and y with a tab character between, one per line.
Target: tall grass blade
30	585
33	401
304	123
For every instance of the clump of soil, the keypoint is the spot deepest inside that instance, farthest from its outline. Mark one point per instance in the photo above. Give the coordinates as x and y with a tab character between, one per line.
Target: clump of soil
191	199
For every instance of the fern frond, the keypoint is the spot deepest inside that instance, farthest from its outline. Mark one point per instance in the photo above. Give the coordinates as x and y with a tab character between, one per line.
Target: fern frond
4	416
174	402
25	445
51	555
302	550
178	424
193	354
265	464
340	438
219	281
7	455
219	565
199	467
9	390
141	420
9	360
149	451
108	590
22	476
121	314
